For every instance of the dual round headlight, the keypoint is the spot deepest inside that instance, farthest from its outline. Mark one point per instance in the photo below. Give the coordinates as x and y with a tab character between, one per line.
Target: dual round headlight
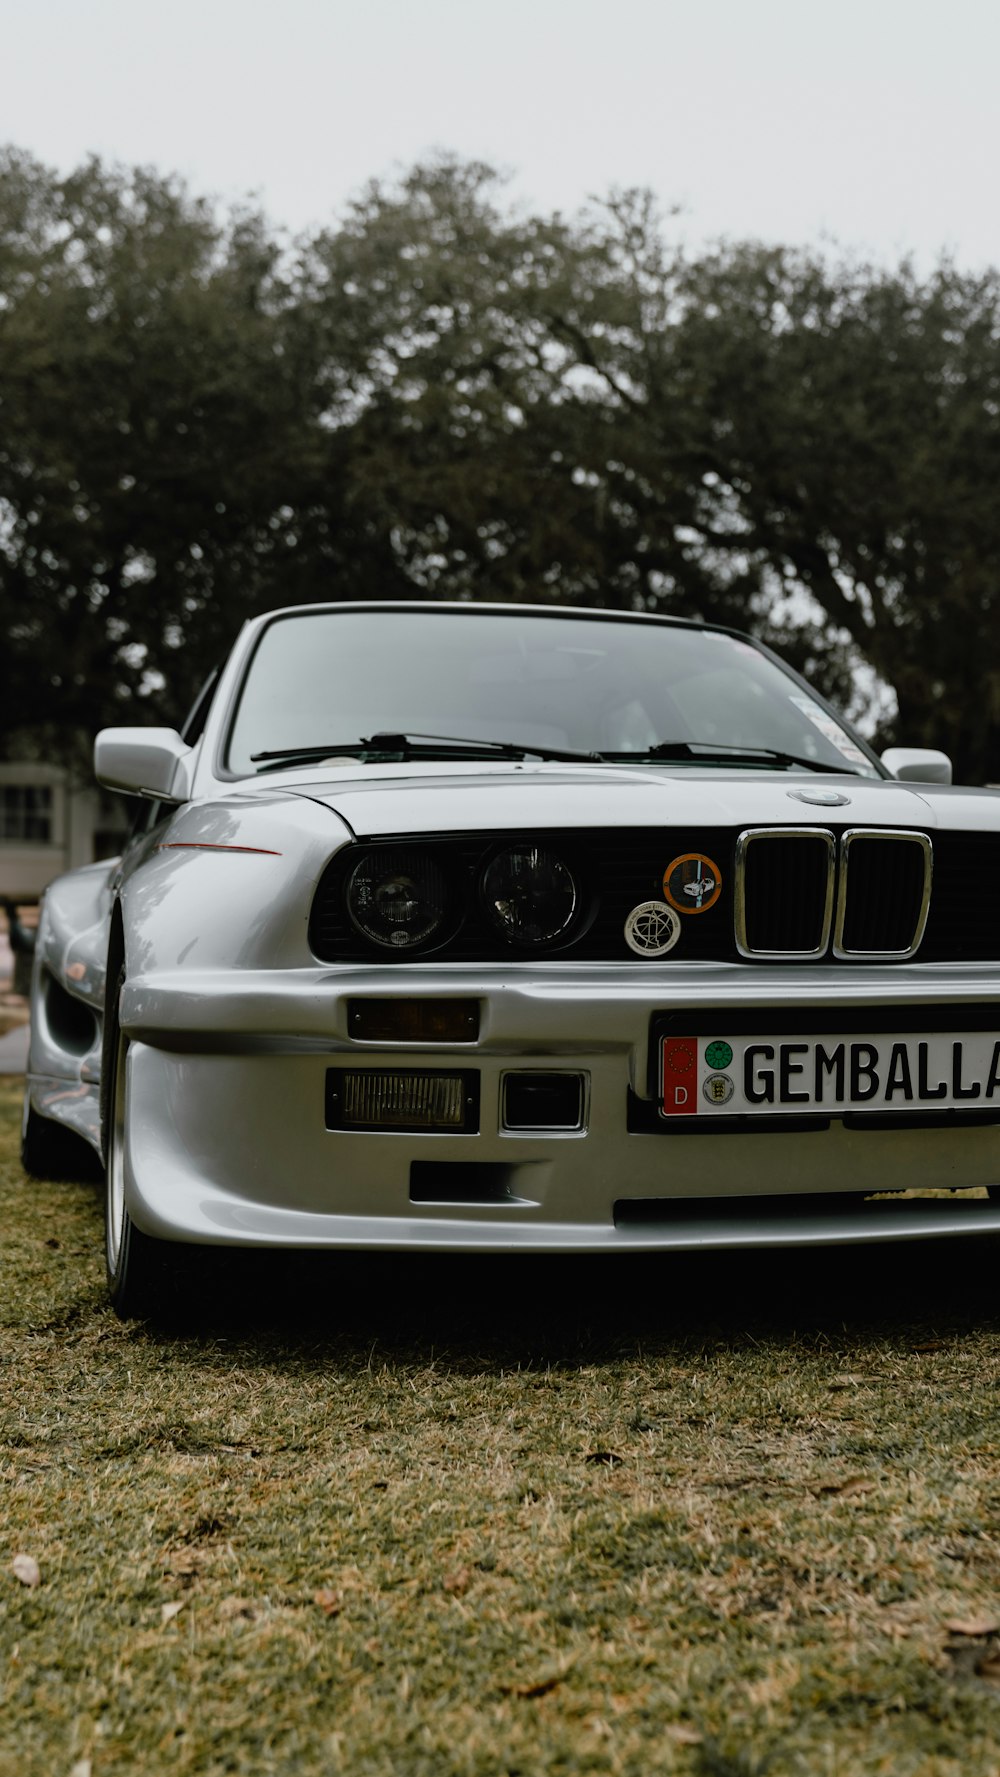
530	895
399	898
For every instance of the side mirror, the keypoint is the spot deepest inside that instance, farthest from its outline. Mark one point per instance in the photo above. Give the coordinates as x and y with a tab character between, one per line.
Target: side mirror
153	762
918	765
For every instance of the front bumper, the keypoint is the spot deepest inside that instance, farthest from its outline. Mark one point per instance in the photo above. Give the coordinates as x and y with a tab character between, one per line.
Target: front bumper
228	1141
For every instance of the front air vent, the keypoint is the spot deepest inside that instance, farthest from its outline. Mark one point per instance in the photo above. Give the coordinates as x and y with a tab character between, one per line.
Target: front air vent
72	1025
784	892
883	893
542	1100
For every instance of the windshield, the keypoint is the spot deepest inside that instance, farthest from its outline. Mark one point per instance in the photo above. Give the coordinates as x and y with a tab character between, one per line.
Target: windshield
574	683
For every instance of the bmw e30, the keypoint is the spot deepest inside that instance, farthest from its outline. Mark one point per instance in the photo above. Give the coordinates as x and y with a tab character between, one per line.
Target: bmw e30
455	926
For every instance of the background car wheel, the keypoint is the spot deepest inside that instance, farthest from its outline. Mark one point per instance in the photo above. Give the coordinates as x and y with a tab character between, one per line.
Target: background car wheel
50	1151
137	1267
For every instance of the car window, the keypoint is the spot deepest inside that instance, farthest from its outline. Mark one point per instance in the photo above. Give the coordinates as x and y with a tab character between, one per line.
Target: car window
591	685
194	722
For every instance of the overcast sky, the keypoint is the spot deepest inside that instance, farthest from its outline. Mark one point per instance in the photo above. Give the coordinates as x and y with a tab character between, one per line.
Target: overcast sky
871	121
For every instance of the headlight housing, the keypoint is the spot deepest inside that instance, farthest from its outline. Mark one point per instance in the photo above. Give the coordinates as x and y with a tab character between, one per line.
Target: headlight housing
530	895
397	899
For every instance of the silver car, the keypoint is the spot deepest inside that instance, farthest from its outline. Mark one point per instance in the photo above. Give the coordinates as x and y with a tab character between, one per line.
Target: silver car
527	929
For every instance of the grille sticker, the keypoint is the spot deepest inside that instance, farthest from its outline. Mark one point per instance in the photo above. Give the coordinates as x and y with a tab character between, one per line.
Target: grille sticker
692	883
652	929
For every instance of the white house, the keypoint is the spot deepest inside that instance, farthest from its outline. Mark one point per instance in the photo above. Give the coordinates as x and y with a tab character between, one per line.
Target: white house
48	824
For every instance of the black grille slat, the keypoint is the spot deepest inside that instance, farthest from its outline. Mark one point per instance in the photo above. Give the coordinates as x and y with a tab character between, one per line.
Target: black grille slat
964	920
785	890
885	892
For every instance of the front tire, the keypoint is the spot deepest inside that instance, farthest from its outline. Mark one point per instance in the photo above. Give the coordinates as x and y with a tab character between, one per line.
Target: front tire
137	1266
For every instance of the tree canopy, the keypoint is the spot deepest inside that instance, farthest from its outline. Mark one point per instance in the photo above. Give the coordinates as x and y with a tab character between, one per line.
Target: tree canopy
443	396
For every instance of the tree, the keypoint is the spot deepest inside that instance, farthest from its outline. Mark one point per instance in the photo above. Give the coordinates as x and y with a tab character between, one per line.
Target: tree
846	421
484	366
441	396
153	438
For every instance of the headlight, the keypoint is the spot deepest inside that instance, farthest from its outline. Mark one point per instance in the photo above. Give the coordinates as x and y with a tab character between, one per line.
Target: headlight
530	894
397	899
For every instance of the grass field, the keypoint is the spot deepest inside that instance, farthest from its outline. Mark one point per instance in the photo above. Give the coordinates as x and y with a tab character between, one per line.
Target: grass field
720	1516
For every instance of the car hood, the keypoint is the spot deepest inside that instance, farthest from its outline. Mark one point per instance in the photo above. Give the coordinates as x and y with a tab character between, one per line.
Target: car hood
380	800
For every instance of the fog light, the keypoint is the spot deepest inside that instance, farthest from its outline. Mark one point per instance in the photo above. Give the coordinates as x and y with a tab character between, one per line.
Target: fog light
413	1021
395	1099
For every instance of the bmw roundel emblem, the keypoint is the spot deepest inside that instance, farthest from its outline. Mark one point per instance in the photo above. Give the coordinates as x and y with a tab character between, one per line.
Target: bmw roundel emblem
820	798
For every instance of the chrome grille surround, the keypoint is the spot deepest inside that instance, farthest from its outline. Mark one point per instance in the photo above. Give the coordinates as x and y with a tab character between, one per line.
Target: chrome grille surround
751	836
847	839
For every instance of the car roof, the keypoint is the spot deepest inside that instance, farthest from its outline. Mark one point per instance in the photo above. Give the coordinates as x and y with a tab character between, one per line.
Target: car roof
483	607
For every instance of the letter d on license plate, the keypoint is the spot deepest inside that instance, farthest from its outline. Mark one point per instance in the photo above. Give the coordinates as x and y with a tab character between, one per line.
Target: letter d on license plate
773	1076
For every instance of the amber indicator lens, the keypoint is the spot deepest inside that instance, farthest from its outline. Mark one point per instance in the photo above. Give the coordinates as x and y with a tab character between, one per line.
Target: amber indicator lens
399	1099
413	1021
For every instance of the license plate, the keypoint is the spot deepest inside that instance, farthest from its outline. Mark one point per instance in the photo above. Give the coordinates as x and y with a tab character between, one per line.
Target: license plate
747	1076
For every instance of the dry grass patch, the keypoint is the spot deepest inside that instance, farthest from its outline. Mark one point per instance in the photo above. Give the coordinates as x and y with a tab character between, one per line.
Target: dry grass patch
716	1516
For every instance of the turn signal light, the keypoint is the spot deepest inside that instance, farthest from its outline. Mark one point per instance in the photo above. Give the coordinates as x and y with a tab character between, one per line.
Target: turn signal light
413	1021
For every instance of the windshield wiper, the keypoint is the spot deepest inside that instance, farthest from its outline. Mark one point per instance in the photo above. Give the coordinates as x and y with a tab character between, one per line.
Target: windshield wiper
413	746
707	753
379	748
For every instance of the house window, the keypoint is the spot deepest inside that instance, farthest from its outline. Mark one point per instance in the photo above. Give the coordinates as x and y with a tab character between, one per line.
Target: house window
26	813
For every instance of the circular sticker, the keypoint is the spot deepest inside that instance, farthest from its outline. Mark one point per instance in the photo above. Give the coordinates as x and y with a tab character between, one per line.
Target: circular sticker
692	883
651	929
718	1055
718	1089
